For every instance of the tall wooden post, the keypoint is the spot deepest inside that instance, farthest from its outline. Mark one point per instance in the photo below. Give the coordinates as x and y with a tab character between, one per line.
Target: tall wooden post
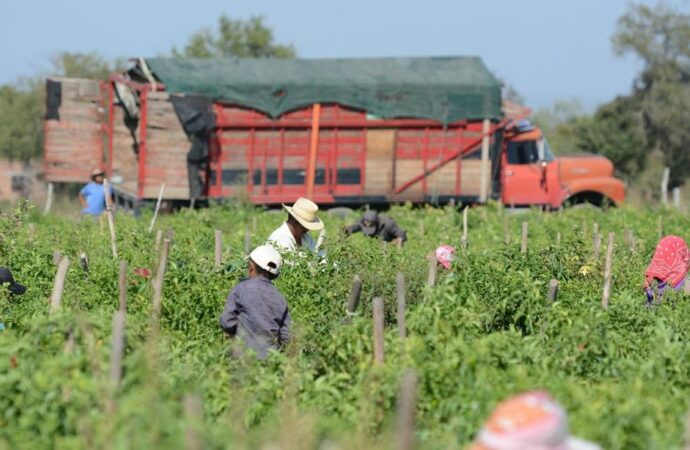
353	299
400	297
664	185
193	412
676	198
59	285
464	228
122	281
608	272
378	331
109	213
158	280
158	207
118	348
433	267
49	200
406	411
247	240
313	148
553	291
484	175
218	234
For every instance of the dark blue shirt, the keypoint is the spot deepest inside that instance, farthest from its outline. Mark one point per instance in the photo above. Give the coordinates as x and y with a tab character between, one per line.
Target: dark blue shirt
257	313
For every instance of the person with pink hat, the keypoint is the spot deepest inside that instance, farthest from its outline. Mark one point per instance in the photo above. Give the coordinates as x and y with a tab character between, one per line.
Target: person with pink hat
532	420
445	255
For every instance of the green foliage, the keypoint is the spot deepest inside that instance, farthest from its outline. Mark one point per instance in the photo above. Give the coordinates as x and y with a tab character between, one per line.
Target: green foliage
483	333
246	39
21	117
560	124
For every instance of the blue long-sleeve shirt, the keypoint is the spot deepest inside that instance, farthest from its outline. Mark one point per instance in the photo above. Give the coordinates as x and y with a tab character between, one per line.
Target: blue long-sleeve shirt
257	313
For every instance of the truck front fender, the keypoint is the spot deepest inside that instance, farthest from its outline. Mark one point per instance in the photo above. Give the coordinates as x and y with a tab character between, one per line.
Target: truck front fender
588	189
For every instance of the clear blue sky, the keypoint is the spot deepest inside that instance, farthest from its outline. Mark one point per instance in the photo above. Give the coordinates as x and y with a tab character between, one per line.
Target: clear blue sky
546	49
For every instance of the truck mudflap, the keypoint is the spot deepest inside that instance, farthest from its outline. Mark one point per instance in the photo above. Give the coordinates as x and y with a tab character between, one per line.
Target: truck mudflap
595	189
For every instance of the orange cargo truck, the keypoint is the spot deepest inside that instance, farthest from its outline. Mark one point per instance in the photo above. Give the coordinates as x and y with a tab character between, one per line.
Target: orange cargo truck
341	131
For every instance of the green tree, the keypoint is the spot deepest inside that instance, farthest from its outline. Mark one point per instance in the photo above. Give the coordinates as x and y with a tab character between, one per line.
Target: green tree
559	124
83	65
246	39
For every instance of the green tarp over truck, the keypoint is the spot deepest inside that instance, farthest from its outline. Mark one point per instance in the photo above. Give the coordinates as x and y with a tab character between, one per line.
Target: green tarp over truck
446	89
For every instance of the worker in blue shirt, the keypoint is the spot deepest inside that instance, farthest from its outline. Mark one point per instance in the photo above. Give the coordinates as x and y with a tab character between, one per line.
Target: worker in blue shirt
92	196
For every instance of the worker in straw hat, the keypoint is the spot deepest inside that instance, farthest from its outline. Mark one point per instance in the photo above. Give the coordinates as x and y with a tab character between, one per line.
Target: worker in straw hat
532	420
92	195
255	311
293	234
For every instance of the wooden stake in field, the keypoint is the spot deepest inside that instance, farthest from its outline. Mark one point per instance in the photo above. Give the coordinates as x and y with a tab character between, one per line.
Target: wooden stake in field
158	280
595	240
158	207
608	272
378	331
676	198
247	240
109	213
433	267
558	239
59	285
506	231
463	241
553	291
57	257
118	348
353	299
664	186
525	237
400	297
32	231
219	247
193	412
406	411
122	281
159	237
49	200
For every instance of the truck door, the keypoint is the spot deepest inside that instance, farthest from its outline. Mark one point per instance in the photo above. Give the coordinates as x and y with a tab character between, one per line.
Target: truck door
525	173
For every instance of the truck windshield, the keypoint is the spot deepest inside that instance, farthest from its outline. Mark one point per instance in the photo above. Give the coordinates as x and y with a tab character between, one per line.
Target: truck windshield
529	152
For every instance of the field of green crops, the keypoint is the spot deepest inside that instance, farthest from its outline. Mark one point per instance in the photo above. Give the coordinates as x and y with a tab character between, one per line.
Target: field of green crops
484	332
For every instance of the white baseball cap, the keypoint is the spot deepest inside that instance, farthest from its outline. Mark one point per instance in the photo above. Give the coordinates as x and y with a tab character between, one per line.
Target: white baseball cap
267	258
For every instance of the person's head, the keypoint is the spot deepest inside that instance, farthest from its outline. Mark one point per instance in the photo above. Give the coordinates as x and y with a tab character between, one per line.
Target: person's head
97	176
445	255
370	222
302	217
264	261
12	286
529	420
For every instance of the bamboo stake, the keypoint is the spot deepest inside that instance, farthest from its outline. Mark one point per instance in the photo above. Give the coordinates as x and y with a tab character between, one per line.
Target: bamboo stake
400	297
433	267
159	236
193	411
676	198
406	410
597	246
219	247
664	186
558	239
553	291
378	331
506	231
59	285
158	206
247	241
608	272
109	213
118	348
525	237
464	228
123	286
353	299
49	200
158	281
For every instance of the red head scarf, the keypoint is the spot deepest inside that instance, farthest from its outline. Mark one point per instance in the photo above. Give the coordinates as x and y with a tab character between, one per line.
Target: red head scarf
670	262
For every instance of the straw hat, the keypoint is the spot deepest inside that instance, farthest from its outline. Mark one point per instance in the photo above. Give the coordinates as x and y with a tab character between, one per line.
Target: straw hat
96	172
304	211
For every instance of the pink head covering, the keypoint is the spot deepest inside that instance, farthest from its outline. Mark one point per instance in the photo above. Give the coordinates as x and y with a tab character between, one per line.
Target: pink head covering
445	255
670	262
532	420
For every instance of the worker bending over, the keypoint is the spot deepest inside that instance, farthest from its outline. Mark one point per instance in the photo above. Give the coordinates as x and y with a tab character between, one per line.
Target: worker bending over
382	227
669	267
293	234
255	311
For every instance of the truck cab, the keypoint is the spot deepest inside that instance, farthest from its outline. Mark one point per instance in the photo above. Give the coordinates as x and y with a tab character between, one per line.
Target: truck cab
532	175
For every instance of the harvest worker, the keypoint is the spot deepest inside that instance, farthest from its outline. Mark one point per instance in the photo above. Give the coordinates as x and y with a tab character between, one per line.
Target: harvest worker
373	225
12	286
445	255
92	196
532	420
668	267
293	234
255	310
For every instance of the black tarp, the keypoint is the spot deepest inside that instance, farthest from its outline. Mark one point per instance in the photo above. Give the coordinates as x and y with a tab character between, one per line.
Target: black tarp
53	99
195	113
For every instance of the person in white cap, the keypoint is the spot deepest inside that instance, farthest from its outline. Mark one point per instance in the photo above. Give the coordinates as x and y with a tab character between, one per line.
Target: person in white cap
255	311
293	234
531	420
